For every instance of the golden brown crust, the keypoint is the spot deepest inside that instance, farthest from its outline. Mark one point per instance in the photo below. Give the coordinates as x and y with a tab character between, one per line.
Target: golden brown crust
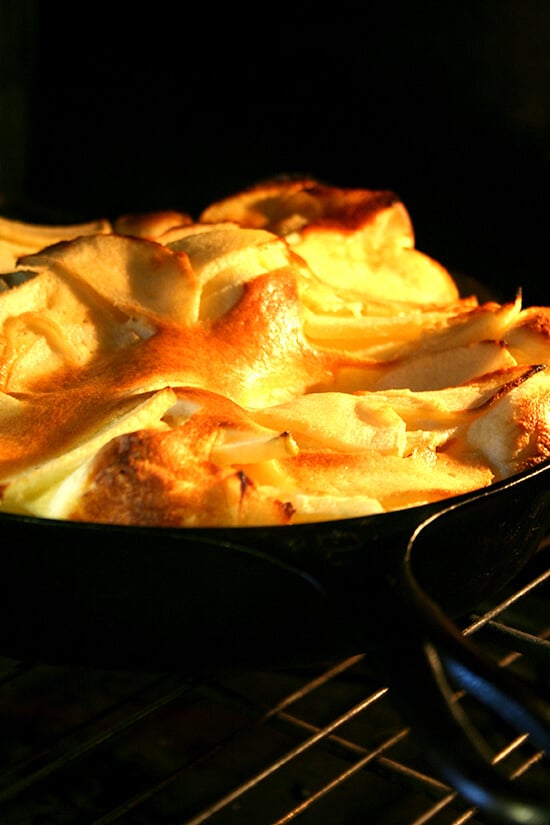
529	337
356	237
287	205
151	225
134	472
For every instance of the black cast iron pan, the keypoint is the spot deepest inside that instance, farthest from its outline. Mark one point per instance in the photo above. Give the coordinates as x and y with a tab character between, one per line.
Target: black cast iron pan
210	599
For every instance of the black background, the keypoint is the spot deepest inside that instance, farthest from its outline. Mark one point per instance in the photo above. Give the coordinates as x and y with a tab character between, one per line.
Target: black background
178	104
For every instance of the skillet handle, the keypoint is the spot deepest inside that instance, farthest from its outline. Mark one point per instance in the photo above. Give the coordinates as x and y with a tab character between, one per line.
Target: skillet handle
418	664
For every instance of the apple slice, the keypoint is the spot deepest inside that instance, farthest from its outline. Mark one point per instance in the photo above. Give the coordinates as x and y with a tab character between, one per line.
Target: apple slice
139	277
19	238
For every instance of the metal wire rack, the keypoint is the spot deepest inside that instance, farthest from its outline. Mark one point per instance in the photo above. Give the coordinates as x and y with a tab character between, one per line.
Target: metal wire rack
312	745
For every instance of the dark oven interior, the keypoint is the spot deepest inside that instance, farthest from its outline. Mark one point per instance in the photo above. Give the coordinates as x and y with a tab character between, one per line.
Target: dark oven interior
449	107
316	744
118	110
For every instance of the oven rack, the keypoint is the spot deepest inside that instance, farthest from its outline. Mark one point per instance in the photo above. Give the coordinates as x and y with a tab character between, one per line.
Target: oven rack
315	745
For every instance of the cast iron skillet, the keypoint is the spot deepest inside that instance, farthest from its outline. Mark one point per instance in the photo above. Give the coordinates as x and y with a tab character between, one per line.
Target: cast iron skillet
205	600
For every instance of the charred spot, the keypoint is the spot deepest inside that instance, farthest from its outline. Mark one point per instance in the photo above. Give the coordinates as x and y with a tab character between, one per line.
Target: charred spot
288	509
506	388
357	209
244	481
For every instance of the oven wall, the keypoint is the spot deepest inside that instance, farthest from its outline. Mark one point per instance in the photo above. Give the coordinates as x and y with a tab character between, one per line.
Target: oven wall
113	110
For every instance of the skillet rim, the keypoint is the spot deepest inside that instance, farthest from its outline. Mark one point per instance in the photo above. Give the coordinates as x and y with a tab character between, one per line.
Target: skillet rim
322	575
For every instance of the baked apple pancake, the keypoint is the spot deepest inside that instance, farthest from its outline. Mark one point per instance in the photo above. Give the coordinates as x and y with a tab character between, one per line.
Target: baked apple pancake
288	356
